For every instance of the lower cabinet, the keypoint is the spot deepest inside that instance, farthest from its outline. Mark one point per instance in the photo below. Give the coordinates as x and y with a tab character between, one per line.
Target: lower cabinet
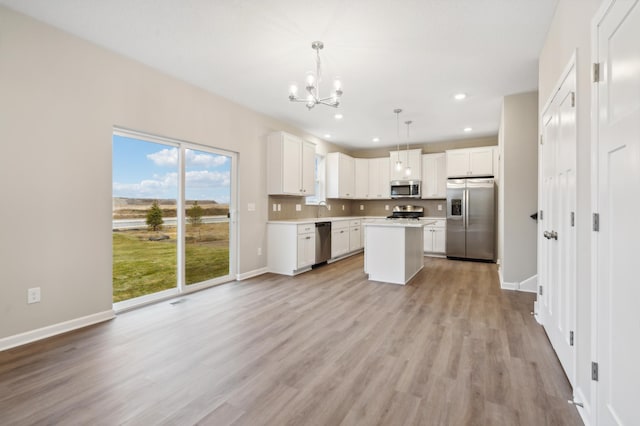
355	235
435	238
339	238
306	250
291	247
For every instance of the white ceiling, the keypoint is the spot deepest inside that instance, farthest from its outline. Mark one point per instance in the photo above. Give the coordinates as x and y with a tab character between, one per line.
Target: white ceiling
409	54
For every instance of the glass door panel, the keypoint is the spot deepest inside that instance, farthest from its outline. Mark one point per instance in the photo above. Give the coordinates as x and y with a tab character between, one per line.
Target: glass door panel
207	196
144	199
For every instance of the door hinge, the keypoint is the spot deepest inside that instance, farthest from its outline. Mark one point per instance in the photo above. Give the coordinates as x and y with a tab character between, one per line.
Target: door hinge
573	99
596	222
596	72
540	290
571	338
594	371
541	215
573	219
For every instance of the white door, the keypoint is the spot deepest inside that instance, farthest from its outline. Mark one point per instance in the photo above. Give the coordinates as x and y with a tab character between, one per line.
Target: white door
557	227
618	203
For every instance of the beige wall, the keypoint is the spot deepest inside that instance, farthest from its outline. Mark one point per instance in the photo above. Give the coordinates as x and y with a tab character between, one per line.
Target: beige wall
60	98
519	187
569	33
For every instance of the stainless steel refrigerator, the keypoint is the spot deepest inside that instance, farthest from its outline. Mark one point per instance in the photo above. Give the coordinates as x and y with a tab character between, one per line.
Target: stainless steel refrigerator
470	218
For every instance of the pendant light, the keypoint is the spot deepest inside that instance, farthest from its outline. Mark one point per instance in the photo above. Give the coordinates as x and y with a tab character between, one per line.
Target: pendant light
407	171
397	112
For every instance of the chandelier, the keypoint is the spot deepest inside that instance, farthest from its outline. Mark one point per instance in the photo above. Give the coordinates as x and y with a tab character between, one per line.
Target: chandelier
313	97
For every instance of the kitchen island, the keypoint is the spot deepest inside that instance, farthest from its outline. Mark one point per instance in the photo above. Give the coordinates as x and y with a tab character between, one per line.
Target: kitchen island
393	250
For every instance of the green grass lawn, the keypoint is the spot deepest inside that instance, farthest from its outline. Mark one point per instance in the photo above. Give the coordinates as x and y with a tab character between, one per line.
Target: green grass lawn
143	267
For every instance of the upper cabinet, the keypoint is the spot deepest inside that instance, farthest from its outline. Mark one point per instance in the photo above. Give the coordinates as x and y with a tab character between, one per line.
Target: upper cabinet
413	157
470	162
340	175
434	175
379	178
290	165
362	173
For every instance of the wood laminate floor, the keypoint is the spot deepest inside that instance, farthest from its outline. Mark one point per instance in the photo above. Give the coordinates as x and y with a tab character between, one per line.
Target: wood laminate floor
327	347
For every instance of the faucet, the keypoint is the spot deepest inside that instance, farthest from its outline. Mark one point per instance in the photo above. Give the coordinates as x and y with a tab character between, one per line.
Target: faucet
321	203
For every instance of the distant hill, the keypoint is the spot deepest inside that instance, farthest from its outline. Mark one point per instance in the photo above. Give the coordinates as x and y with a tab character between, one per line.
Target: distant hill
135	208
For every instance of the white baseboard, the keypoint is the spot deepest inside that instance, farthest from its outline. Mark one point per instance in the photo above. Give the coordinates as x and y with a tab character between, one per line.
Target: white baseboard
530	284
55	329
251	274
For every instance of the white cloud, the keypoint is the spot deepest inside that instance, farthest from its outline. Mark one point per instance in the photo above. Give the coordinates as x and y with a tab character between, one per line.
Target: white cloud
165	157
169	157
166	186
207	179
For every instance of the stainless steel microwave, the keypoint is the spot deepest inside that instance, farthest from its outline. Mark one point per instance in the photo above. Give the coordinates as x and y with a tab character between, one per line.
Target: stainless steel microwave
405	189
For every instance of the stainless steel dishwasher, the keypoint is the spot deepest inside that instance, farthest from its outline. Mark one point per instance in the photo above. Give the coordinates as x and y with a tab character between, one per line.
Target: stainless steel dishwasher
323	242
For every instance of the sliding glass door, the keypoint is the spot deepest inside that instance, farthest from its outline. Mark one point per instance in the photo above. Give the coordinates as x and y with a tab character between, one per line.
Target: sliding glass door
171	217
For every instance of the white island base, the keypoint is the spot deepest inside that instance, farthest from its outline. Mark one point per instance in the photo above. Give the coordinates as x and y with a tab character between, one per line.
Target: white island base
393	251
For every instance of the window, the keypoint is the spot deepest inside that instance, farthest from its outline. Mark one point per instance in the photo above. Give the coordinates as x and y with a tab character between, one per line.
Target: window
320	175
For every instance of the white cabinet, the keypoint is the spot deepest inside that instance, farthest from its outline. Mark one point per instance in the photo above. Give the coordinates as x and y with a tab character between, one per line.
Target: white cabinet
470	162
291	248
434	176
413	157
340	175
379	178
435	237
355	235
339	238
290	165
361	184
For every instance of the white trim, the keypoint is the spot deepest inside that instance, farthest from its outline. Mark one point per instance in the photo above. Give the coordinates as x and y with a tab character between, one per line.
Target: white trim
55	329
251	274
529	285
509	286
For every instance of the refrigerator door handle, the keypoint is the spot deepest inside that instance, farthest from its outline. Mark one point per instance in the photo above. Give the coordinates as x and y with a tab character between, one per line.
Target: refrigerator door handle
466	209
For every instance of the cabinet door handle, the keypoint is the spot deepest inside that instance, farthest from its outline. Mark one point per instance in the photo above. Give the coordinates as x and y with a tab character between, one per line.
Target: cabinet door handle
308	238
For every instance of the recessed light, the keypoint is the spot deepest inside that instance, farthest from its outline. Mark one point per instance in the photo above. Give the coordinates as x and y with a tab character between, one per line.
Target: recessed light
327	136
376	139
459	96
338	116
467	129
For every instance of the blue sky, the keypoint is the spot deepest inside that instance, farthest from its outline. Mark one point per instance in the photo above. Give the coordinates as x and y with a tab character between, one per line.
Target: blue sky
144	169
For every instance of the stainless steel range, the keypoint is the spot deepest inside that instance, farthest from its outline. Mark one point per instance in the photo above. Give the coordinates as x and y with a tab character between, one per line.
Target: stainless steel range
407	212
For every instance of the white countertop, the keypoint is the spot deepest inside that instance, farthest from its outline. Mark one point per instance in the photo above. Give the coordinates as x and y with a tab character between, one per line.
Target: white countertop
423	220
396	223
321	219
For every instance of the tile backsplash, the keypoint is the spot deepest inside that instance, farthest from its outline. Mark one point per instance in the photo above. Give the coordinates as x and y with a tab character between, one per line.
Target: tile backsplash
288	207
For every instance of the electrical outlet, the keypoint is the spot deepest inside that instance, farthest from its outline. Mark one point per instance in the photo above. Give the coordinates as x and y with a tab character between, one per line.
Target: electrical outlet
361	206
298	207
439	207
275	207
33	295
259	251
329	207
279	207
343	207
386	207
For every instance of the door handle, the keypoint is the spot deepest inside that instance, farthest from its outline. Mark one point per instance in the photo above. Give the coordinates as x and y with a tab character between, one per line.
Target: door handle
554	235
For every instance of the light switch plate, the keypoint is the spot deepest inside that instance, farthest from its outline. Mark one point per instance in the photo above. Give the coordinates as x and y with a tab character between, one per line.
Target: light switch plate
439	207
361	206
298	208
275	207
279	207
386	207
251	207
